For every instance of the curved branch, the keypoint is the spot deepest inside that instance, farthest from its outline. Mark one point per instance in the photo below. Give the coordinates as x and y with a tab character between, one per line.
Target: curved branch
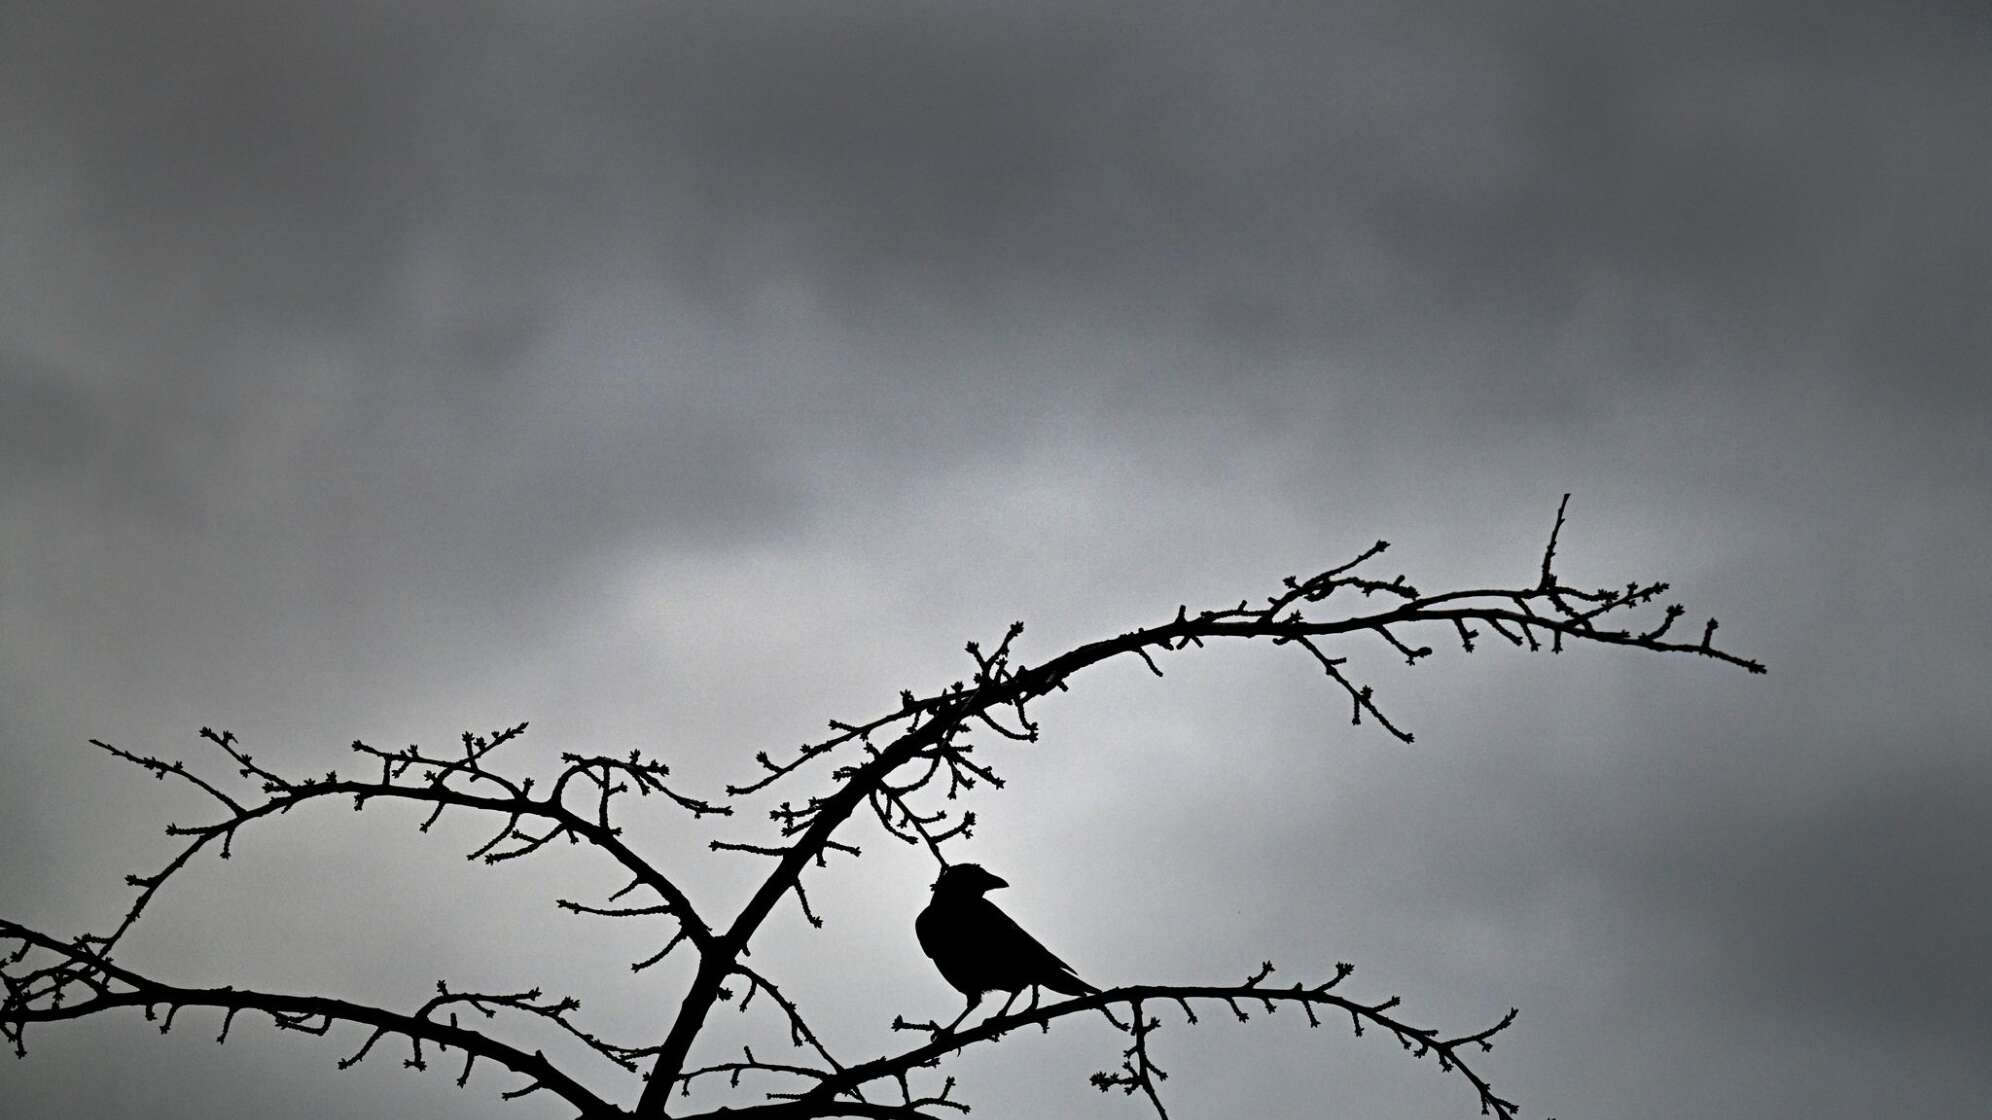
998	685
930	741
800	1033
283	798
1418	1040
27	1001
800	1110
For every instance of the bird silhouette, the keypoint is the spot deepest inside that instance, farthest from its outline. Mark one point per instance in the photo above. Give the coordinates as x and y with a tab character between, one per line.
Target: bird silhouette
980	949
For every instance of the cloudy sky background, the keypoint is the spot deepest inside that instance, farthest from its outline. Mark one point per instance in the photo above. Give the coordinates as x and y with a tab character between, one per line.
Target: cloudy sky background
683	376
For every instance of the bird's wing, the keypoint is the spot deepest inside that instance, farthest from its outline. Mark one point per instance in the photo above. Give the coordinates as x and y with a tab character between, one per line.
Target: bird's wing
1034	964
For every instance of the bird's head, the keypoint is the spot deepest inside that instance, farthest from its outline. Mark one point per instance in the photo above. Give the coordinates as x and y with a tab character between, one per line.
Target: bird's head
966	879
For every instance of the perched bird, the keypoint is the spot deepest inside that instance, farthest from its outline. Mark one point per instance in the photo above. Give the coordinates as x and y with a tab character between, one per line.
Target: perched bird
979	949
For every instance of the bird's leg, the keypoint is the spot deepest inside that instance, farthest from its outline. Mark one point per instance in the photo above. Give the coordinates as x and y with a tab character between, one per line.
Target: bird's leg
1043	1024
974	1001
1005	1009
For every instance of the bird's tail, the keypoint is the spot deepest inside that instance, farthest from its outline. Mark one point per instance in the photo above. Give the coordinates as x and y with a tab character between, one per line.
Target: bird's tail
1068	983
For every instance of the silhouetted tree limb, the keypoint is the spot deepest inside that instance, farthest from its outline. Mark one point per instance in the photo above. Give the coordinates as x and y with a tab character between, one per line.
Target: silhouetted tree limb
1139	1073
903	767
46	994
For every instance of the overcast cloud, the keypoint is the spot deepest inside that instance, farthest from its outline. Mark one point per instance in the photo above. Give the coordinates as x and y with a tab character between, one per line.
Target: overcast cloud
682	376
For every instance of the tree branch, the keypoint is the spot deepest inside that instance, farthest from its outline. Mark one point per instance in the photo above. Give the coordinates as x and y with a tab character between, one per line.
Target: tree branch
38	996
514	803
1139	1073
935	722
927	753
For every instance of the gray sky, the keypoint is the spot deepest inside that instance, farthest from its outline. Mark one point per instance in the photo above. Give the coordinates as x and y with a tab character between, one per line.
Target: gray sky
682	376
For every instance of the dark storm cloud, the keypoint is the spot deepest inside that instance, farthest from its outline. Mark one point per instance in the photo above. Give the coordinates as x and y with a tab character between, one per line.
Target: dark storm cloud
1280	176
1838	908
293	158
48	427
56	431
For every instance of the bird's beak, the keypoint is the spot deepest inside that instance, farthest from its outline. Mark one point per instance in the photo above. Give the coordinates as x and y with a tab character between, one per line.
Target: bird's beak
996	881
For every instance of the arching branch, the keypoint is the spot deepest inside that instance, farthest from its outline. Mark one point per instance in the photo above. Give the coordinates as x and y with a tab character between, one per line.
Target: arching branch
78	983
903	766
935	727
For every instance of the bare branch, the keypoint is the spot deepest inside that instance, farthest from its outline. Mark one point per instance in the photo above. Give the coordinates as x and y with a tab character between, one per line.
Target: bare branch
410	775
935	722
905	765
1139	1073
39	997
